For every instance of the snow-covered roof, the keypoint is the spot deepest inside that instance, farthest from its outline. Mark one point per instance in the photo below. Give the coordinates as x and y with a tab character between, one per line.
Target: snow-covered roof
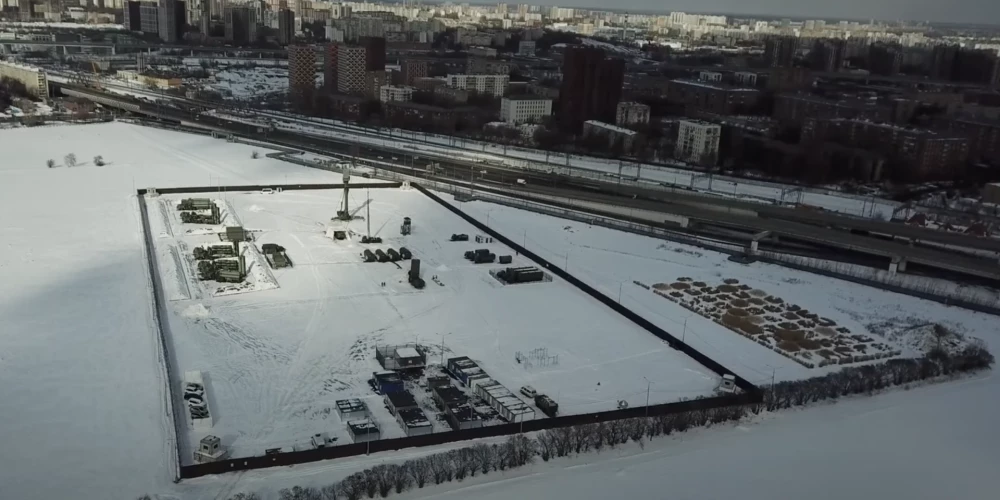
407	352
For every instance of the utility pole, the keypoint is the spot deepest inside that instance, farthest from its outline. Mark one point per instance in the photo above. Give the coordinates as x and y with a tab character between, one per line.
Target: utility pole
648	384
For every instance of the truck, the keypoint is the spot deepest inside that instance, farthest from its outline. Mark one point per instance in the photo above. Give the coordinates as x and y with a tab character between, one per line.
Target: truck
275	255
547	405
522	182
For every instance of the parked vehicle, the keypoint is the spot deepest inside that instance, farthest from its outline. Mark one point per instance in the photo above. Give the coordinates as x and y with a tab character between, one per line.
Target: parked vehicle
529	391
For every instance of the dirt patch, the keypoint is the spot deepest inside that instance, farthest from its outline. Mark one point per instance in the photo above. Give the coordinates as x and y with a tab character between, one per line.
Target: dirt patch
728	289
789	335
758	293
739	313
680	286
731	281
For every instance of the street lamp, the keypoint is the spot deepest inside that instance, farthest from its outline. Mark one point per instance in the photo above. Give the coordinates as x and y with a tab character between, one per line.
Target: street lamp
442	345
648	384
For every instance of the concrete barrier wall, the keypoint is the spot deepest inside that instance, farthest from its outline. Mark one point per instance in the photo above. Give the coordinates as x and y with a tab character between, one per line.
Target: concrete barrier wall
354	449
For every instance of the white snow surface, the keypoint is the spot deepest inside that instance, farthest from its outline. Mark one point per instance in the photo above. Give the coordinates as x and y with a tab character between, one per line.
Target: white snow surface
278	360
83	400
83	412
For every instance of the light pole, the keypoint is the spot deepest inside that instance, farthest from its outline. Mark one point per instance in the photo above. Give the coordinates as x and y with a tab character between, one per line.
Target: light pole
648	384
442	345
685	331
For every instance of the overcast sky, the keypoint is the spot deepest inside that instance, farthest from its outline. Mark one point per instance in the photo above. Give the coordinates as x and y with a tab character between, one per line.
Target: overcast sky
978	11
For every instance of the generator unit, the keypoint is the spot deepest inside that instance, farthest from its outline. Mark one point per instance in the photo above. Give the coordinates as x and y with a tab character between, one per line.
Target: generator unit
413	276
369	256
521	274
393	255
195	204
407	227
547	405
371	239
214	252
382	256
481	256
459	237
506	259
404	253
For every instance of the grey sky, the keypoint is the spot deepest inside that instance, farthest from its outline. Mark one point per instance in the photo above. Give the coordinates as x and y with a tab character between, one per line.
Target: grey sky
978	11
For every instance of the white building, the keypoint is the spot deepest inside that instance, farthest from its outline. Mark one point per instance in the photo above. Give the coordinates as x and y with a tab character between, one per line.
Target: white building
149	17
494	85
33	78
524	109
697	142
746	78
613	134
710	76
526	48
395	93
631	113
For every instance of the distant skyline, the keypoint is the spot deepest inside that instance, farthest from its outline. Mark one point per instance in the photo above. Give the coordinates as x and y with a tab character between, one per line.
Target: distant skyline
960	11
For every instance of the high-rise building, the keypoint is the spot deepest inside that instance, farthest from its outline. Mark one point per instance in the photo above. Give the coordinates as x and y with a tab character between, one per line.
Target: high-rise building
827	55
697	142
330	66
286	26
591	87
779	51
943	61
133	18
351	70
241	24
411	70
374	52
950	62
149	17
301	76
172	19
885	59
205	20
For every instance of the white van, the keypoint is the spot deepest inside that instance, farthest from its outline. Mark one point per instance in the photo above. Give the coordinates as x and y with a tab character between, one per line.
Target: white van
529	391
267	191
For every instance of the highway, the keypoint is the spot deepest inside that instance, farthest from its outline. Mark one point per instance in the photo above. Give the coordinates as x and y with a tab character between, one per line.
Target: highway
828	230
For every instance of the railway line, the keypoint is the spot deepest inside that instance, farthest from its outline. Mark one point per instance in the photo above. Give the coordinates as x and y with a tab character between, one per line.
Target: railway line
849	238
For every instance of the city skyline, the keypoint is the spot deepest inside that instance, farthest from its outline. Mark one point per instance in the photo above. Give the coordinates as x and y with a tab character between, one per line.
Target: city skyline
960	11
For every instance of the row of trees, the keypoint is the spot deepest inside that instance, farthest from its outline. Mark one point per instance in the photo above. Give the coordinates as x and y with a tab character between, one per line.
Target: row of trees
520	450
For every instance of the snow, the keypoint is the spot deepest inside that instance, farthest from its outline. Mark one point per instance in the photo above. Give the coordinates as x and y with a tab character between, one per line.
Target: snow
254	82
84	404
78	329
278	360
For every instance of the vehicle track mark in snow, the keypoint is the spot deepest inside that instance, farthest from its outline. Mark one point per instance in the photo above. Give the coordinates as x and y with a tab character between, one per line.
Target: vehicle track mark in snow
182	285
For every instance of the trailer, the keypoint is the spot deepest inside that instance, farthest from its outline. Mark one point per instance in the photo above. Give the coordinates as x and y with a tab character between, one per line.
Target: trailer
521	274
195	204
393	255
382	256
405	253
509	406
547	405
196	400
369	256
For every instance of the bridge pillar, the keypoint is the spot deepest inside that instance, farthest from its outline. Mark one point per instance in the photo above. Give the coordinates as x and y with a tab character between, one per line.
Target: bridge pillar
113	46
756	240
897	263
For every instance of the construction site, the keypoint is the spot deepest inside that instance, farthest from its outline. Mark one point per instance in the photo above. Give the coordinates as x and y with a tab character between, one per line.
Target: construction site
296	305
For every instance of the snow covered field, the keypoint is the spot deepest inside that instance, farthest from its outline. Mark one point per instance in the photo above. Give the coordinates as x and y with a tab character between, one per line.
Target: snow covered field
83	399
83	413
279	359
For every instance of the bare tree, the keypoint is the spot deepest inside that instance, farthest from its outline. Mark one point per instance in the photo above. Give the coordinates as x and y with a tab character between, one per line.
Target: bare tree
330	492
245	496
352	487
70	160
371	482
99	161
419	470
484	457
463	463
299	493
400	478
50	163
255	155
440	467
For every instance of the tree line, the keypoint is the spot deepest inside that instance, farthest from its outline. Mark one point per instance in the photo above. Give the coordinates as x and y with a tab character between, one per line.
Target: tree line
520	450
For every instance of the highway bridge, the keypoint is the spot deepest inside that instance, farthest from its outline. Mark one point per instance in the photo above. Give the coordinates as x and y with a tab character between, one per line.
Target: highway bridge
897	243
113	48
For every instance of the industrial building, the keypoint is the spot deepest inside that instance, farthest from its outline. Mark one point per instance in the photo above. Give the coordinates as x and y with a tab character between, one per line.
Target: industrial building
411	70
364	430
399	400
716	98
351	409
33	78
456	407
492	85
286	26
401	357
524	109
414	422
509	406
697	142
526	48
388	382
172	19
466	370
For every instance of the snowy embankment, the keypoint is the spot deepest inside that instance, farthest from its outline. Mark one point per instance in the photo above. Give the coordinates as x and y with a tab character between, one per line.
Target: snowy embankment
83	411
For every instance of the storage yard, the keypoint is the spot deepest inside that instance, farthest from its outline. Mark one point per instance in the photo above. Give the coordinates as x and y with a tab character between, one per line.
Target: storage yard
282	350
